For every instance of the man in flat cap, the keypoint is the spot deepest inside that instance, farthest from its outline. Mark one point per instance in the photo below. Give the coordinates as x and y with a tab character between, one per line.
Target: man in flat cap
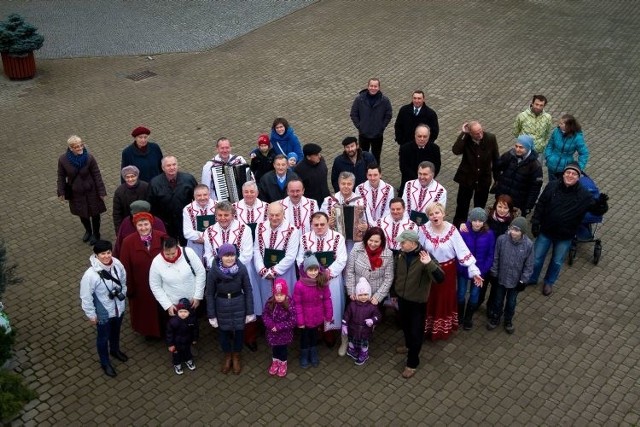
313	173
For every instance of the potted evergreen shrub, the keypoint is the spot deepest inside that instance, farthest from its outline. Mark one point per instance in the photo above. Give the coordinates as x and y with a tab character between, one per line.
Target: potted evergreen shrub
18	40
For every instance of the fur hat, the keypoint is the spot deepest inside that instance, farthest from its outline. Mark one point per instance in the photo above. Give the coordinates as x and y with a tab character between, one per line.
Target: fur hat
139	206
183	304
363	287
226	249
310	261
477	214
279	287
526	141
520	223
574	166
102	246
140	130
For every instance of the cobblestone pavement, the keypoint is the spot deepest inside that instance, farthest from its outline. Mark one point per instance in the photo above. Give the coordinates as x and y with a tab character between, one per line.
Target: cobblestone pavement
574	359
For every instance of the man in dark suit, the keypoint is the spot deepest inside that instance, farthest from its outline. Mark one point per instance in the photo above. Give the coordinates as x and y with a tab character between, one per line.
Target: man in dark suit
273	185
414	153
413	114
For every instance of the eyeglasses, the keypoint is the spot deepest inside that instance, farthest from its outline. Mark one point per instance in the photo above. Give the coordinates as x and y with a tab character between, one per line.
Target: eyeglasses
75	146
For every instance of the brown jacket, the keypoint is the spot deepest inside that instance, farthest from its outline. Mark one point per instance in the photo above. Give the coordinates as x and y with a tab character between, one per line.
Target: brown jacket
477	160
87	187
413	282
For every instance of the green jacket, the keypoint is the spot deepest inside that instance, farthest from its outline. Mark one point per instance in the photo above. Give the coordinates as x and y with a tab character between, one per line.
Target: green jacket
413	282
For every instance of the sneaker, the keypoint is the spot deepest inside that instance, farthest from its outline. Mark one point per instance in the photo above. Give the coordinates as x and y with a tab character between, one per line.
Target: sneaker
352	353
178	369
362	358
508	326
275	365
491	325
282	369
190	365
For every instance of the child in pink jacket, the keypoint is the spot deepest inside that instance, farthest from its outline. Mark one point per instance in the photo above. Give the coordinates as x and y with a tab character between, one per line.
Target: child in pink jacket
312	299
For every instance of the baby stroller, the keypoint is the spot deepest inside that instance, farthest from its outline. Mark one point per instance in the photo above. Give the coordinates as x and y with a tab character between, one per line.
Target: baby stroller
589	227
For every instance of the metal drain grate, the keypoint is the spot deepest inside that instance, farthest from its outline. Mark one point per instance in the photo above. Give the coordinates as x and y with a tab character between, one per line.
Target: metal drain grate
141	75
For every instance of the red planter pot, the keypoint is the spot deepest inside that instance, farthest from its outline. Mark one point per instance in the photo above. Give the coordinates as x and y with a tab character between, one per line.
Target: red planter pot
19	67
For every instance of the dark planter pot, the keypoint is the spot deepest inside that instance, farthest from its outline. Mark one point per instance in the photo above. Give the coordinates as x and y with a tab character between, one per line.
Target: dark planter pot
19	67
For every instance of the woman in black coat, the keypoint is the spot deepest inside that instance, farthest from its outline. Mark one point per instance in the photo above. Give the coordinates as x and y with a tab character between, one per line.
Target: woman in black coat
80	183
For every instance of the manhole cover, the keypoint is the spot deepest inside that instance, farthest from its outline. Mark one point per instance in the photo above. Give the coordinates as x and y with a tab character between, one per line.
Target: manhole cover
141	75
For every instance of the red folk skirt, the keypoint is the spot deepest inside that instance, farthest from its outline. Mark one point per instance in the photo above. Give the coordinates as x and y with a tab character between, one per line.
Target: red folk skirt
442	305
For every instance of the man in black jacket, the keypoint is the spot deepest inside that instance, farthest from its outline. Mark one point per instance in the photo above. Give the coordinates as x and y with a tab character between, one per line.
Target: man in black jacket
371	113
414	153
413	114
556	219
353	160
169	192
313	172
273	185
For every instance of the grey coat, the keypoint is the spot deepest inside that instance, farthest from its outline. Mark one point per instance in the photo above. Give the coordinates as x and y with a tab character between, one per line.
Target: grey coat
512	260
358	266
230	312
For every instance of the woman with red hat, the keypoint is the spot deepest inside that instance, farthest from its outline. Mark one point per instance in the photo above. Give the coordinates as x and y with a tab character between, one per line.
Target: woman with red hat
262	157
143	154
137	253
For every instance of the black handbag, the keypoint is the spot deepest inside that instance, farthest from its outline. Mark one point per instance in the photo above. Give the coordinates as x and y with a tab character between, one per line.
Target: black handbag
68	189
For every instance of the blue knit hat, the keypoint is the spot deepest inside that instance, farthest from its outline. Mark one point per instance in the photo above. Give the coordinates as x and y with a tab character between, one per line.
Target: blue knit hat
294	155
526	141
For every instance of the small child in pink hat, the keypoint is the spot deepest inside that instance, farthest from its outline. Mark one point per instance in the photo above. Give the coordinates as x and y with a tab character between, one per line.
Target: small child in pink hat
279	317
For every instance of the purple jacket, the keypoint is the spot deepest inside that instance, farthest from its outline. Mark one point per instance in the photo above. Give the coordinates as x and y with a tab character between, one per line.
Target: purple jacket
355	315
481	244
283	320
313	305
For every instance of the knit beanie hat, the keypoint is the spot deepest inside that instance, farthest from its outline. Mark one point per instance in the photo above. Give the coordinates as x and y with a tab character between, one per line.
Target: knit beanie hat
478	214
520	223
128	170
409	235
292	155
102	246
574	166
363	287
142	216
310	261
139	206
526	141
279	287
226	249
183	304
263	139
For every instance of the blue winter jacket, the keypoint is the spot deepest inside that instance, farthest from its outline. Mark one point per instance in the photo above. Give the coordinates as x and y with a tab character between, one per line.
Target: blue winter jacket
287	143
561	149
481	244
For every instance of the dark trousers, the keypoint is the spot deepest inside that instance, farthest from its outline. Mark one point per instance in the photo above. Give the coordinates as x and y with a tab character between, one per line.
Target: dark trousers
500	305
280	352
412	315
463	200
371	144
94	223
231	341
108	339
308	338
182	354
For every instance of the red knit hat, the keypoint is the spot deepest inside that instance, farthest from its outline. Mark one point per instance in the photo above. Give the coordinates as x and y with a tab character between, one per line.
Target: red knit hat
142	215
263	139
140	130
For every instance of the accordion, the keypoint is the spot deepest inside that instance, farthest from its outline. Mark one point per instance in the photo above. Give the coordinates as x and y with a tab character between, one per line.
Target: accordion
347	220
228	181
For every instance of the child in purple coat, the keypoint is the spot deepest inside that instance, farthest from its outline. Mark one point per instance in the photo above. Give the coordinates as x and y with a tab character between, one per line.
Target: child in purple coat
313	307
358	321
481	242
279	317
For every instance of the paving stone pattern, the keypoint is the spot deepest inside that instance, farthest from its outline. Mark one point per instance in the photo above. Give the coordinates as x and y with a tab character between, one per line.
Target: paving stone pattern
573	359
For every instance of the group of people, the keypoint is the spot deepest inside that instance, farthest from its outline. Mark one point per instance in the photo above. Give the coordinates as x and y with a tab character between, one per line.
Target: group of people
283	257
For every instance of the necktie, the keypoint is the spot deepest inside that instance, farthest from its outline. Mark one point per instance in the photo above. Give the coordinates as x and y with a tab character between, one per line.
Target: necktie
394	231
320	244
296	216
250	216
415	111
374	198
